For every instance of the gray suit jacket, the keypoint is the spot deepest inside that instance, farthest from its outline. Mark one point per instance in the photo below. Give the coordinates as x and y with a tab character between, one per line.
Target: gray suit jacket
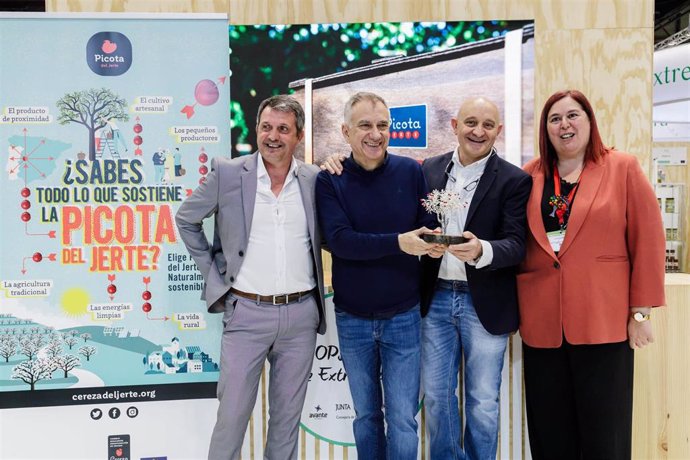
229	193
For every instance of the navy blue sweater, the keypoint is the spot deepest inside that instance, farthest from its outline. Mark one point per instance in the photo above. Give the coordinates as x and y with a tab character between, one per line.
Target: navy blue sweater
361	214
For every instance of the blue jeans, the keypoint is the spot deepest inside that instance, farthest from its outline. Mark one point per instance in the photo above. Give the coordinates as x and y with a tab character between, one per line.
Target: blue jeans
450	330
384	352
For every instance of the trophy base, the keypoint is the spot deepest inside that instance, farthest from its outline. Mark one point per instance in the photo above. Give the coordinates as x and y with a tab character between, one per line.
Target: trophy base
440	238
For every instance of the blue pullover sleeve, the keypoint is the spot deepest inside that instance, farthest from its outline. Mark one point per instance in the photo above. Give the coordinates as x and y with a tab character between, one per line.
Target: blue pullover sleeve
341	238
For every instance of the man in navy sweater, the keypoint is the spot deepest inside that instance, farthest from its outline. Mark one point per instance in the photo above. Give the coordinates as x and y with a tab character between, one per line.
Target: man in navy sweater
371	217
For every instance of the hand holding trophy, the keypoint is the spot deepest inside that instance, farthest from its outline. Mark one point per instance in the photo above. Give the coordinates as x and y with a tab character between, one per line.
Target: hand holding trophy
442	203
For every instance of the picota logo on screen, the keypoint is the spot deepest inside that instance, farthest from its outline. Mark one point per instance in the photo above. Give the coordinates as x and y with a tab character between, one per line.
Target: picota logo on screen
408	126
109	54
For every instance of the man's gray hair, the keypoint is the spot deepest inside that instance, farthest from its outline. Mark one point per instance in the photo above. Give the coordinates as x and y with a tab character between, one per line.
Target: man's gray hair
359	97
286	104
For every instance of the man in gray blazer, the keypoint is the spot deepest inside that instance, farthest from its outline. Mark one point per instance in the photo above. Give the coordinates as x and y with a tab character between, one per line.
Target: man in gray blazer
263	271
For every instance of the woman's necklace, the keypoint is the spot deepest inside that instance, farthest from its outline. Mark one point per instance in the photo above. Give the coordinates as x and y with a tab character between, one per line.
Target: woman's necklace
561	203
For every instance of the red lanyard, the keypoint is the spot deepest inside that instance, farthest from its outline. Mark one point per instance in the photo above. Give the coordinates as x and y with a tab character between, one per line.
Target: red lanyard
560	203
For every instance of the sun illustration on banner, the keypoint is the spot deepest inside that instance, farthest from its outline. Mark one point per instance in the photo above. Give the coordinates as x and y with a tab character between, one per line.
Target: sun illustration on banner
74	302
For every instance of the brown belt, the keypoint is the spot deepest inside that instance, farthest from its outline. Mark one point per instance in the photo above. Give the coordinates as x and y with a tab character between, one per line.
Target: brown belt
280	299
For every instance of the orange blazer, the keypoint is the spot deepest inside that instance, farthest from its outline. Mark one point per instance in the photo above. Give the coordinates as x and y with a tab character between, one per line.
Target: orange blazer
612	257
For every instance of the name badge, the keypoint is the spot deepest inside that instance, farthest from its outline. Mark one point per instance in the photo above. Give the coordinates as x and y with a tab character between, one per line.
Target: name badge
556	239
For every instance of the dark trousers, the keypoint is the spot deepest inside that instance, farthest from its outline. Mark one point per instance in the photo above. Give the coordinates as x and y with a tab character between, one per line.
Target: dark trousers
579	401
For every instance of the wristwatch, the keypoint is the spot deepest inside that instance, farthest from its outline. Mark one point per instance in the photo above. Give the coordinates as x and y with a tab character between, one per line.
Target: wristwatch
641	317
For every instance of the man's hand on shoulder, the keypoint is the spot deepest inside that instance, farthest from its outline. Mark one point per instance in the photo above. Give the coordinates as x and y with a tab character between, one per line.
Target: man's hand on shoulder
334	164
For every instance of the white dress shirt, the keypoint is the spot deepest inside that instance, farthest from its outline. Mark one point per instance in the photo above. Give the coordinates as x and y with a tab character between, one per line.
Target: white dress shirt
278	257
463	180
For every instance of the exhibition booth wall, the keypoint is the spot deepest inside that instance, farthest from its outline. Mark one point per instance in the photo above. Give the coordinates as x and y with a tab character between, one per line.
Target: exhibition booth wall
671	135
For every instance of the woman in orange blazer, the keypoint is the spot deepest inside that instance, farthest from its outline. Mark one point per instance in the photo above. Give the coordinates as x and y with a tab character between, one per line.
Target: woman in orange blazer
593	270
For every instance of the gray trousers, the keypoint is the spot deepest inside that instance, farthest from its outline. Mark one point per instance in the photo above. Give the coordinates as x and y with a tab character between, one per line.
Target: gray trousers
286	336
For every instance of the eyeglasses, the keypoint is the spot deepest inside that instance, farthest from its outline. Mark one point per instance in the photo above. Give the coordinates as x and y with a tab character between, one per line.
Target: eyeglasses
471	186
468	187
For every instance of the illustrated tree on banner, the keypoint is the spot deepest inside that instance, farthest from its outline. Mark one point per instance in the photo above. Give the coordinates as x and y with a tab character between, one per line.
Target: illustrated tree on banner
66	363
34	371
92	108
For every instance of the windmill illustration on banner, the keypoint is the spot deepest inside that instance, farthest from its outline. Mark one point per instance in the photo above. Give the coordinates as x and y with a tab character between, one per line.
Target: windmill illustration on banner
205	93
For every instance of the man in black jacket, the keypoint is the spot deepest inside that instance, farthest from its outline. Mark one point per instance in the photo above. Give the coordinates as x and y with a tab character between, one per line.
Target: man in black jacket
469	296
